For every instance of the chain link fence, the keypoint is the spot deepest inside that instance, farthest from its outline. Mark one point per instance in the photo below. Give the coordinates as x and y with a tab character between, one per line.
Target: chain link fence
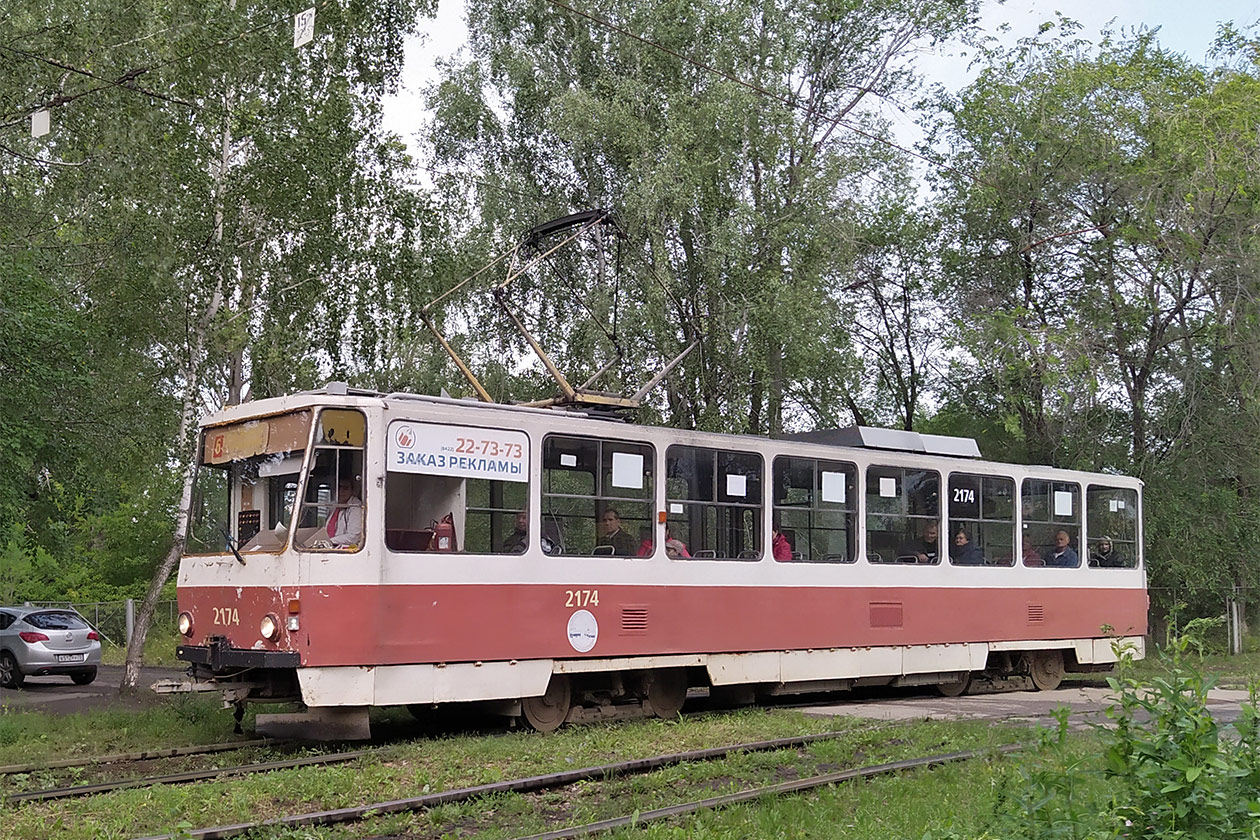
1173	606
110	618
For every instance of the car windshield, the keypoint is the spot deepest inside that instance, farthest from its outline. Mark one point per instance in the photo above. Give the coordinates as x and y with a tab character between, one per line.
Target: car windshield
55	621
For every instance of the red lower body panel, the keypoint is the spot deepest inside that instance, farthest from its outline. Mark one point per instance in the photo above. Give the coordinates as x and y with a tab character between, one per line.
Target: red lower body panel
404	624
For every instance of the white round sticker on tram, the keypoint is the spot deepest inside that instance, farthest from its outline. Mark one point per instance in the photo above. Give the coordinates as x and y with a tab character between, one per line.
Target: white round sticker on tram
583	631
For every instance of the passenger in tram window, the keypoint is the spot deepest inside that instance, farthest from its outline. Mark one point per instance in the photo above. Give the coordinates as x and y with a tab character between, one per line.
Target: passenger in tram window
345	523
964	552
924	549
674	547
1062	555
517	541
1032	557
551	541
614	535
645	542
1105	556
780	547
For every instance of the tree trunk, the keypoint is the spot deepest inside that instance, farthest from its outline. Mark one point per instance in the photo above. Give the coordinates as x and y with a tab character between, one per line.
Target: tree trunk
144	618
187	441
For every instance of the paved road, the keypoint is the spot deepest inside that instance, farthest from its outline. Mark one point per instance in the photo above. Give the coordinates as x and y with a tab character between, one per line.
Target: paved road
1087	704
60	695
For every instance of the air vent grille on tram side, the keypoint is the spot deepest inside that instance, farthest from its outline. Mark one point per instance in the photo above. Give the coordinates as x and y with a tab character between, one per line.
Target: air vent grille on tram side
634	620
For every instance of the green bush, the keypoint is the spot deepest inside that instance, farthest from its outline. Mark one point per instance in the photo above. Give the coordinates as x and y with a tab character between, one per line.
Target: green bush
1167	770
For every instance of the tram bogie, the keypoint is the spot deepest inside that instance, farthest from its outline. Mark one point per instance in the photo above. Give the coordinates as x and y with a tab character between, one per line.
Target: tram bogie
351	550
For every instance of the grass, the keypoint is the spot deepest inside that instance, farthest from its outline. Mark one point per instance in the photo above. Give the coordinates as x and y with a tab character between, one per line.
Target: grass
31	737
407	769
159	648
1229	671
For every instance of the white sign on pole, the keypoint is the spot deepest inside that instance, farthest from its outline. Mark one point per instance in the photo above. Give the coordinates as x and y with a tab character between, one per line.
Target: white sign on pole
40	123
304	27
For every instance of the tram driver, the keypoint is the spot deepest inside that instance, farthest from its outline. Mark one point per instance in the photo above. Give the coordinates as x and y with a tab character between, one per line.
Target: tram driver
345	523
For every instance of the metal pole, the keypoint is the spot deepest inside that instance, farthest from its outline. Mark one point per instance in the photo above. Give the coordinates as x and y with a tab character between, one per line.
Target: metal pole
1232	624
131	619
1238	639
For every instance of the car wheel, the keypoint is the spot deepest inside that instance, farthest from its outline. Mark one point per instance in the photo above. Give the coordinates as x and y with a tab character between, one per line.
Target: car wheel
10	674
84	677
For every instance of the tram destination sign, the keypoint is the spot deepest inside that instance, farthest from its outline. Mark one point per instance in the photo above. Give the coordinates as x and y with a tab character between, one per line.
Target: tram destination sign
458	451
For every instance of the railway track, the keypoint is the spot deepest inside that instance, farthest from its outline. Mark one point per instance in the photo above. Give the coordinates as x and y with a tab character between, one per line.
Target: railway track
552	781
142	755
193	775
781	789
179	778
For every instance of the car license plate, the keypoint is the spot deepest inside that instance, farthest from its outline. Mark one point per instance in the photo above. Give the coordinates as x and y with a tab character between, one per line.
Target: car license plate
69	657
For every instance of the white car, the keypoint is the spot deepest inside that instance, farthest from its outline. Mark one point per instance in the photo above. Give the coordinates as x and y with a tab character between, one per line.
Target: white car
36	642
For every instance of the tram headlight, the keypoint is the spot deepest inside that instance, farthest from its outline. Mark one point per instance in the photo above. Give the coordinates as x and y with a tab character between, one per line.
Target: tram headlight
269	627
184	622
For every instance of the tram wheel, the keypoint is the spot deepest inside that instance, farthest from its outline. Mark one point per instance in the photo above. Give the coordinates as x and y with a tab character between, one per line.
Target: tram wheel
547	712
1045	667
955	689
667	691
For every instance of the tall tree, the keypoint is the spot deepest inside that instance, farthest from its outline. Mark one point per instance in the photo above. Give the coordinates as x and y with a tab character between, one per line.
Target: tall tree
230	183
1103	262
725	137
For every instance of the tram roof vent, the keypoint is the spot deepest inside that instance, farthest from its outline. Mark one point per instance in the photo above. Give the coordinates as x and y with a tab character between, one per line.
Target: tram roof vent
868	437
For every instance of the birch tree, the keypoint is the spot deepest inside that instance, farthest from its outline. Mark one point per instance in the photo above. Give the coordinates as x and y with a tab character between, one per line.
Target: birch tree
234	177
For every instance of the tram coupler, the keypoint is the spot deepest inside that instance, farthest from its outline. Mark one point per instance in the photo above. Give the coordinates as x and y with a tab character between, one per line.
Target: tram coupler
317	723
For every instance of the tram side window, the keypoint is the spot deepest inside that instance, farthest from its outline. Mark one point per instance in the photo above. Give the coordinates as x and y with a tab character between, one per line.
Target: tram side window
331	517
1112	517
597	497
981	520
457	489
1052	523
714	499
815	507
903	515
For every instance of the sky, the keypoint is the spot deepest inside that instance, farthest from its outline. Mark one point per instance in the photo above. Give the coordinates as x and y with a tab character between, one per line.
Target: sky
1186	26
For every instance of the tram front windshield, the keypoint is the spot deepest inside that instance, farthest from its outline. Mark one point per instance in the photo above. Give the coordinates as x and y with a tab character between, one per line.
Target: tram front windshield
247	484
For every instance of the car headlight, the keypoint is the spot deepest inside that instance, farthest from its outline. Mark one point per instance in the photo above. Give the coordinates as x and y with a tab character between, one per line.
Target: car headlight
269	627
184	622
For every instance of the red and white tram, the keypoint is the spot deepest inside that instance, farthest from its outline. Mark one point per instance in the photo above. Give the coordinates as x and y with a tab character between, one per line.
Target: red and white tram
354	549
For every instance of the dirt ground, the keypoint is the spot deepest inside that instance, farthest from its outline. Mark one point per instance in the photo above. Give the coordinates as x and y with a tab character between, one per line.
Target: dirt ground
61	696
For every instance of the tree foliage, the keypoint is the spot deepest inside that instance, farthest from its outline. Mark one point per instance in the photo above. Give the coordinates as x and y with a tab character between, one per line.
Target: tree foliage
216	216
724	136
1101	261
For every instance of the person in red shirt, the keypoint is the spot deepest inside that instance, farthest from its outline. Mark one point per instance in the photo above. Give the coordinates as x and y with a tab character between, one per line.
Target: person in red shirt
780	547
